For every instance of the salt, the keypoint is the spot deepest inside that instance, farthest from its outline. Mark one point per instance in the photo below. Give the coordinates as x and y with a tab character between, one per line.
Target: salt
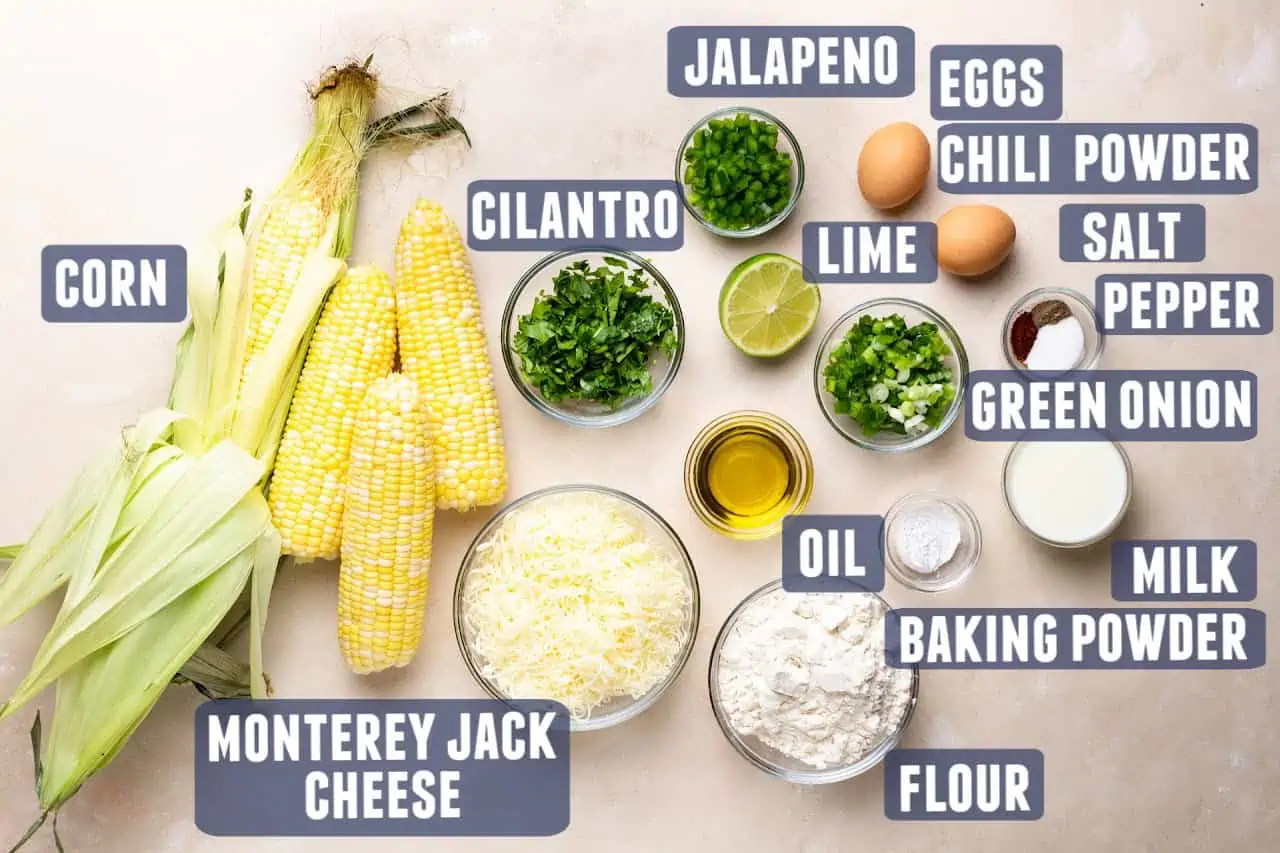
926	539
1058	346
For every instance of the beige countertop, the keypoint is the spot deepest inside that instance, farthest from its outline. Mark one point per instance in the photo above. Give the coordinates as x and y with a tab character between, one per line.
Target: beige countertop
141	122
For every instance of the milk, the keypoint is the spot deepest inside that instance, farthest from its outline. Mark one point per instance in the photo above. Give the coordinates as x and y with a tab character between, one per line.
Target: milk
1068	493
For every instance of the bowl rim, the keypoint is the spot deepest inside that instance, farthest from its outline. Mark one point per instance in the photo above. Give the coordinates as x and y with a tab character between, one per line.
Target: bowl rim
960	381
637	706
1087	543
802	777
1087	308
952	579
797	161
699	445
605	419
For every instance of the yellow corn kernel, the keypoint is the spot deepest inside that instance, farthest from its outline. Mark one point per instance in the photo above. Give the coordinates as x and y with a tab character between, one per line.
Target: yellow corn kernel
354	345
294	225
386	530
443	348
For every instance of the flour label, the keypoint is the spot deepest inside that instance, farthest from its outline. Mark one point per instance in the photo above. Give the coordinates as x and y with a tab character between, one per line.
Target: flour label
964	784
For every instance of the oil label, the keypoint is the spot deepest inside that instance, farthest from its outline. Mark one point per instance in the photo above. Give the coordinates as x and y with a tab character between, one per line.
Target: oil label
1064	638
1097	159
1184	570
516	216
1207	304
381	768
1112	405
995	82
964	784
791	62
1131	233
113	284
833	553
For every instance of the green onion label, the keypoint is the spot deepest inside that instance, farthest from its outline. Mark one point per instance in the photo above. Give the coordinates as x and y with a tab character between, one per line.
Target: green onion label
513	216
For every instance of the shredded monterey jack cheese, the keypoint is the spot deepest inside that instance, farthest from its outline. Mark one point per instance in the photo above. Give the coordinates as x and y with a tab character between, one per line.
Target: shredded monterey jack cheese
572	599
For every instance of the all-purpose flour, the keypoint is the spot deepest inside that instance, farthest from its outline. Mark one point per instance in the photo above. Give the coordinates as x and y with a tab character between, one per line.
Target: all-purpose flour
807	676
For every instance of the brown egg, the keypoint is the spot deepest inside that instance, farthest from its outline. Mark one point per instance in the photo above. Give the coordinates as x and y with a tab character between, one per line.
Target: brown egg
893	165
974	239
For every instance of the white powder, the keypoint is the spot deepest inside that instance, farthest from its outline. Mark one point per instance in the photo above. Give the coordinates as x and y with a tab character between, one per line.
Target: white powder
806	675
926	539
1058	346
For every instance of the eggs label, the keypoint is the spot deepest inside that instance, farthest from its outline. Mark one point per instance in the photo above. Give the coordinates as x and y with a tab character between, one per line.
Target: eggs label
1112	405
865	252
1185	304
1071	638
791	62
1184	570
1078	158
964	784
1129	233
516	216
974	82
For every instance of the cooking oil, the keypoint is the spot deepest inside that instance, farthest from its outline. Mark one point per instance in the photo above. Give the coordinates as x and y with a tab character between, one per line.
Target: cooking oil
745	472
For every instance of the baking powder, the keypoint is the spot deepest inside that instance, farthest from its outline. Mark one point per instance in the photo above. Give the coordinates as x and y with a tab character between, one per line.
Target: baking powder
806	675
926	538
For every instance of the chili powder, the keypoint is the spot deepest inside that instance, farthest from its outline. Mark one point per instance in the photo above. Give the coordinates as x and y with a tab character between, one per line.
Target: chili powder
1022	335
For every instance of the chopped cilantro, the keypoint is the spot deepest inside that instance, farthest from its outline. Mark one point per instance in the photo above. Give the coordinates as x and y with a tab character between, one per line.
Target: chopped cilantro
591	337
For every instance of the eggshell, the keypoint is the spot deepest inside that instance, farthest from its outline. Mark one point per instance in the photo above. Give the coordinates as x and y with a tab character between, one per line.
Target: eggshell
974	239
893	165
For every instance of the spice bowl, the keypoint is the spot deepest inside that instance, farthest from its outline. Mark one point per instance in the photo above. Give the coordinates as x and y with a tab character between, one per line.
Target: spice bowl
662	366
1081	308
618	709
912	312
773	761
786	143
920	517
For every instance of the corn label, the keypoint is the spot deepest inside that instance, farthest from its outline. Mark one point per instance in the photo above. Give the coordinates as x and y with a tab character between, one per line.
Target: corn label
113	284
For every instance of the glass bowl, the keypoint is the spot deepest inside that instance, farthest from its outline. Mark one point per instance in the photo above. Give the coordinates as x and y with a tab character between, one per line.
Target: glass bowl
1082	543
951	573
736	424
662	368
770	760
786	142
1081	306
913	312
622	708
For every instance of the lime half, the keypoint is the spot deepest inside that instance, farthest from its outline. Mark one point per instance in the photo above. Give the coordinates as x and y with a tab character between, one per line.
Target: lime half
766	306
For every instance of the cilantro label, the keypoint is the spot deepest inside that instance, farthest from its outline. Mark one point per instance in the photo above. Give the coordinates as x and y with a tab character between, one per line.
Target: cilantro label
513	216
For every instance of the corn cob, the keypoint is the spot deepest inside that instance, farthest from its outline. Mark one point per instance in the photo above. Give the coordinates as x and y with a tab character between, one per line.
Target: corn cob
354	346
386	535
320	187
443	348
